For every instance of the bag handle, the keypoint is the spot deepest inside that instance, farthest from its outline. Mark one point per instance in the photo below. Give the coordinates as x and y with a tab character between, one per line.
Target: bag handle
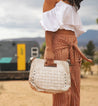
31	59
50	65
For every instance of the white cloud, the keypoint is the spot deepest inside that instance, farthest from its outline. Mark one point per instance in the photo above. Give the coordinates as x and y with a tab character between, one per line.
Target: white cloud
21	18
18	33
89	12
91	27
18	16
18	19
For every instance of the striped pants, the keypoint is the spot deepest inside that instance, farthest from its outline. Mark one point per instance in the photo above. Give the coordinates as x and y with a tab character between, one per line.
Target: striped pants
63	51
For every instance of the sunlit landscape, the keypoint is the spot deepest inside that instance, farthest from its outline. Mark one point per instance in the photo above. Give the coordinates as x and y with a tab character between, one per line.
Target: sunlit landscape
19	93
22	37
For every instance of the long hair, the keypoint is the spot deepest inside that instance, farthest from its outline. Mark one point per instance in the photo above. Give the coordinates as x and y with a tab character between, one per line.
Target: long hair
75	3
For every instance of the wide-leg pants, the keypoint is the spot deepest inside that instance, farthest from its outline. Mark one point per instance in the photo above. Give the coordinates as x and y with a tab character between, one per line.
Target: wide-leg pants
61	47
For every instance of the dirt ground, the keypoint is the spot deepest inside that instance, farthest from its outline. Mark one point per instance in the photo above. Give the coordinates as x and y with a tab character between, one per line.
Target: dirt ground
19	93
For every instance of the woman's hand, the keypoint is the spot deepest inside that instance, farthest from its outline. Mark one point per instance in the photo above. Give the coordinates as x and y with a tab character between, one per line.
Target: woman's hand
50	62
49	57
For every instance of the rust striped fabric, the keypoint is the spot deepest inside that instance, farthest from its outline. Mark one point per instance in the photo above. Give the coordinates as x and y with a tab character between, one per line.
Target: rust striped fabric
62	51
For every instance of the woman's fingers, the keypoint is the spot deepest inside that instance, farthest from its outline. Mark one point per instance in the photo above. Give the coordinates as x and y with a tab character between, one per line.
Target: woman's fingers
90	60
50	62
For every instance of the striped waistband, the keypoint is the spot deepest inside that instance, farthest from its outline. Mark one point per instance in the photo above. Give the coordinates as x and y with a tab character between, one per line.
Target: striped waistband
69	32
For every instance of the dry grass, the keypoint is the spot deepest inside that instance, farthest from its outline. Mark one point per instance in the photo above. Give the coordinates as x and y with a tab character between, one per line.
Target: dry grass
19	93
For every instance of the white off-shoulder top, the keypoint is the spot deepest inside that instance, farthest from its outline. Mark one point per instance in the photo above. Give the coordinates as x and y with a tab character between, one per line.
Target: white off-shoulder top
62	16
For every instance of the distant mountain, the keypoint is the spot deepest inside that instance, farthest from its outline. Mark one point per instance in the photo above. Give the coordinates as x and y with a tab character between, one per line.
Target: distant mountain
40	40
89	35
82	40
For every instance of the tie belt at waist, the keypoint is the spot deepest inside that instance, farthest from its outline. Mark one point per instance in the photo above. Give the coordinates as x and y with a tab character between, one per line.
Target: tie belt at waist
78	50
73	46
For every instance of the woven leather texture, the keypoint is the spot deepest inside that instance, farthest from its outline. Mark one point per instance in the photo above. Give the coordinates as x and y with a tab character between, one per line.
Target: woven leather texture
50	79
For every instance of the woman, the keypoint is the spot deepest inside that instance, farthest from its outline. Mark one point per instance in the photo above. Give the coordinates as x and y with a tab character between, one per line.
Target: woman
62	26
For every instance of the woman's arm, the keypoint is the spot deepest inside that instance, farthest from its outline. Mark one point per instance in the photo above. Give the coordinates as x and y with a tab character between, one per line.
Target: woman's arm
49	55
49	43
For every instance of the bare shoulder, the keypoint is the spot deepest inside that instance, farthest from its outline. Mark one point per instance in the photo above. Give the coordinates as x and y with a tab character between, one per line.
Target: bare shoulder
49	4
51	0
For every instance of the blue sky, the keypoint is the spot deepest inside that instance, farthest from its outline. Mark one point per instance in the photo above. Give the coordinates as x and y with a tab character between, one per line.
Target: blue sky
21	18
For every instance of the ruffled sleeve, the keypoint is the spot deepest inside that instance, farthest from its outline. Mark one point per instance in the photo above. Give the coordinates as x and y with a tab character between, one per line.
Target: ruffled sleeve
49	21
62	16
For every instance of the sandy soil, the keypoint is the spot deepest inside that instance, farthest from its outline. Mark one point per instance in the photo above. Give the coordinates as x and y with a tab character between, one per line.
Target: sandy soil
19	93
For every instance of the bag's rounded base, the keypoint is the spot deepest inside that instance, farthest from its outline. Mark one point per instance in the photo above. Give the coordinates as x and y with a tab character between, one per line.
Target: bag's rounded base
45	91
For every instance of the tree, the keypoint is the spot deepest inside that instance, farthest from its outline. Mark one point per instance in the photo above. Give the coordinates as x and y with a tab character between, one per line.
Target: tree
90	50
90	53
42	50
97	20
96	61
86	66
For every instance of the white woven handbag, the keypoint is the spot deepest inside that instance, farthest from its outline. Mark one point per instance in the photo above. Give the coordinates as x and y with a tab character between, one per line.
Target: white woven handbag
49	79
